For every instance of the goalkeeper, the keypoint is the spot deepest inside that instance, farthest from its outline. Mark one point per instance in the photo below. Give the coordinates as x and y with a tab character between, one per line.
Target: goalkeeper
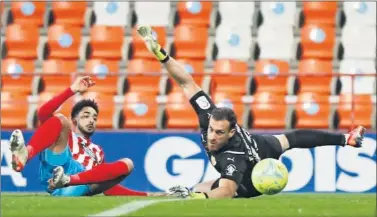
232	150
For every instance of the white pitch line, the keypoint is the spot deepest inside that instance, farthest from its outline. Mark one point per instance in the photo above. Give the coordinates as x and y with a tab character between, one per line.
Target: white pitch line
129	207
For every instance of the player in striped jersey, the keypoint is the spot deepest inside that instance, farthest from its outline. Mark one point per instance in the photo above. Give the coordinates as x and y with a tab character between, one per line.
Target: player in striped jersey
70	164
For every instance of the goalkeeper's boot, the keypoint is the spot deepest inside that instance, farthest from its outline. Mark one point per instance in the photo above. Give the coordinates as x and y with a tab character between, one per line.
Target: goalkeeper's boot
355	137
59	179
19	151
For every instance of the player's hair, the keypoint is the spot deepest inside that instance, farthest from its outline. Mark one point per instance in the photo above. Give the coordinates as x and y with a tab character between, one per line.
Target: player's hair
224	113
81	104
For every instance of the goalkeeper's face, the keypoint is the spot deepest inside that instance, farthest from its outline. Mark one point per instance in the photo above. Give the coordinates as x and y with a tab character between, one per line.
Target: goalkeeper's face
218	134
87	120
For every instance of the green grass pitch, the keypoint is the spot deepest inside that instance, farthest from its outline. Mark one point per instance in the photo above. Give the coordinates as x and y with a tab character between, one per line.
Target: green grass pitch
289	205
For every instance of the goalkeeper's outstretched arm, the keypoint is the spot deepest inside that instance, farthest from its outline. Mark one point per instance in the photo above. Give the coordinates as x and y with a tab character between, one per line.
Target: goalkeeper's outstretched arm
175	69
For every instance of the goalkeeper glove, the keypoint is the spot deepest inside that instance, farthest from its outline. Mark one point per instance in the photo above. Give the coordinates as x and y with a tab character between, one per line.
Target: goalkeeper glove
145	32
184	192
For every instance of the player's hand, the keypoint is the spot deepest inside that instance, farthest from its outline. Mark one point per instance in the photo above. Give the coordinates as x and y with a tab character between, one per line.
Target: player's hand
81	84
145	32
184	192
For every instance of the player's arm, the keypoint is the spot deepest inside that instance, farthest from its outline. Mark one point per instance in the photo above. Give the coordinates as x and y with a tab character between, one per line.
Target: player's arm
175	69
227	189
47	110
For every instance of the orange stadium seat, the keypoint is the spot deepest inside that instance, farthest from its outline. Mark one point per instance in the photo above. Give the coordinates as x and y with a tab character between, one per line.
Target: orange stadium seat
137	81
70	13
139	110
105	83
317	41
63	42
17	76
179	112
223	99
194	67
273	82
14	110
313	111
138	48
309	82
362	110
64	109
190	42
268	111
28	13
318	12
57	75
21	42
106	42
196	13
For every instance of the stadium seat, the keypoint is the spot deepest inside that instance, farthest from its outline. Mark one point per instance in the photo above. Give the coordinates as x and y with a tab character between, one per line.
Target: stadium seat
269	111
137	47
358	42
105	83
317	12
68	13
17	76
323	84
190	42
152	13
232	42
20	42
106	42
278	13
223	99
113	13
241	13
361	13
139	111
57	66
194	13
64	109
361	110
14	110
137	81
271	81
179	113
28	13
63	42
57	75
313	111
317	41
275	42
362	84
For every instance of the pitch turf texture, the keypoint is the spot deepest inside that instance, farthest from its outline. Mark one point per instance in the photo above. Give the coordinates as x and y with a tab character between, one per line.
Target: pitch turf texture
290	205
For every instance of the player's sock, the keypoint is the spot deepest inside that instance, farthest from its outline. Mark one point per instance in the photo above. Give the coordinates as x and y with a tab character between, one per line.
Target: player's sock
119	190
314	138
44	136
101	173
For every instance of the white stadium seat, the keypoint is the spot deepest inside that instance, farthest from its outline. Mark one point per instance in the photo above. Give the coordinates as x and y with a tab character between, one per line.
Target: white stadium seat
233	42
276	42
152	13
359	42
278	13
360	13
240	13
111	13
362	84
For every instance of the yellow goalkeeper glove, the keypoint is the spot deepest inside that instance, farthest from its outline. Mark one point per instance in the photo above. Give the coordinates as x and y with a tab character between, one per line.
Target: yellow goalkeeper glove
184	192
145	32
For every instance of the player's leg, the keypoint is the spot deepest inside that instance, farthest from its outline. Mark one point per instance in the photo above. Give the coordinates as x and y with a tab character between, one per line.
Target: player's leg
206	186
315	138
52	134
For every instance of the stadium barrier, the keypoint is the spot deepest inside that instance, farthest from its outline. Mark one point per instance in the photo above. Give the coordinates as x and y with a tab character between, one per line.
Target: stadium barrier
163	159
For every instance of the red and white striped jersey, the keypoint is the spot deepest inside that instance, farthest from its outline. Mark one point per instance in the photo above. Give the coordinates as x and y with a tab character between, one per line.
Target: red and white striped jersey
84	151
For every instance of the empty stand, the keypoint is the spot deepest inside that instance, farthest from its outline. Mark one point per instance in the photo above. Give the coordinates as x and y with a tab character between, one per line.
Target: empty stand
362	13
232	42
317	12
190	42
235	13
28	13
358	42
57	75
138	48
64	109
179	113
360	113
14	110
111	13
21	42
106	42
193	13
17	76
278	14
68	13
106	75
139	111
152	13
63	42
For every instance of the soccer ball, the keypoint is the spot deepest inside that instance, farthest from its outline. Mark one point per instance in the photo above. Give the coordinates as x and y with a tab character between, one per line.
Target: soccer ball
269	176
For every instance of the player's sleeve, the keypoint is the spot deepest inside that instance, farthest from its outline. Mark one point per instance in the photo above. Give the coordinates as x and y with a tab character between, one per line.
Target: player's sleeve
233	167
203	105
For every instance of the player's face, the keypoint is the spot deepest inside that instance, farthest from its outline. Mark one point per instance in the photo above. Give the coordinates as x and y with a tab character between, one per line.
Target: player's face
218	134
87	120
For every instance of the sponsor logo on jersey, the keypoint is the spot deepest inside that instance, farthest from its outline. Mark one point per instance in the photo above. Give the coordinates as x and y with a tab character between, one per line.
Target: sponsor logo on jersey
203	102
230	169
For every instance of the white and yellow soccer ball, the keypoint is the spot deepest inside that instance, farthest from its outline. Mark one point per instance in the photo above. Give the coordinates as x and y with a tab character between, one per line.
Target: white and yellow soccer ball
269	176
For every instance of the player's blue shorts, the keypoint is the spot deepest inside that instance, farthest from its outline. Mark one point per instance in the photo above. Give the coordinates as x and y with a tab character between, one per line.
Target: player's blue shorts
50	160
